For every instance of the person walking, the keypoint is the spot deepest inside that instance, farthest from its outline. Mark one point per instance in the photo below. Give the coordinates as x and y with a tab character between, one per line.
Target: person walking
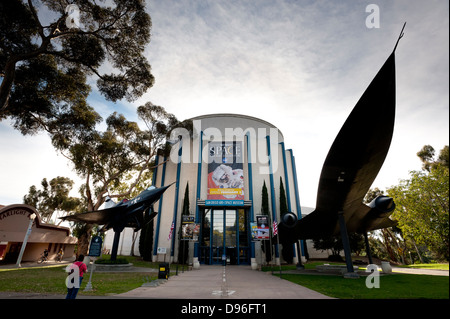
82	268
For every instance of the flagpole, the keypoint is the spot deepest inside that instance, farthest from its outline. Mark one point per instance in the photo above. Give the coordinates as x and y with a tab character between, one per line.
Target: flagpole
275	227
271	249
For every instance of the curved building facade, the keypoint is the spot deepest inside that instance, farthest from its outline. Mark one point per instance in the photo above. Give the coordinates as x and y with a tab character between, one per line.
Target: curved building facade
221	169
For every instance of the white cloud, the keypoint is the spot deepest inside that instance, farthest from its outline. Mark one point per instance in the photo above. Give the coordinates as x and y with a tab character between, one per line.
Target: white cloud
301	65
25	161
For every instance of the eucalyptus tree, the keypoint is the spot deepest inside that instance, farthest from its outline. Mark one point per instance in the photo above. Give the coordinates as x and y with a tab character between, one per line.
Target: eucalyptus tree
49	55
115	162
422	203
53	197
51	52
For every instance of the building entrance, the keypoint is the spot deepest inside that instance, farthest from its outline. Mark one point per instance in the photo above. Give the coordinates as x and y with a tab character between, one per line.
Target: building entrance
224	236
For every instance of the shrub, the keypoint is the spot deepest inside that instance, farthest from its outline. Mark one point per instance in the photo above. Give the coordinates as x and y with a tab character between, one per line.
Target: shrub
118	261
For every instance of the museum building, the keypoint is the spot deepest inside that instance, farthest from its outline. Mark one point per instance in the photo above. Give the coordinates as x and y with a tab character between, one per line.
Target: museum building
223	164
15	222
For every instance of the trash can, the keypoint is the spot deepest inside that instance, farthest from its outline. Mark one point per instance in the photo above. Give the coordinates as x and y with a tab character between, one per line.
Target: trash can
164	270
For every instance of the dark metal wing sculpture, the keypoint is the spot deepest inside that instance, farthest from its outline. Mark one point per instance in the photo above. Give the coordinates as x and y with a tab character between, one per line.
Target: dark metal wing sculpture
124	214
351	166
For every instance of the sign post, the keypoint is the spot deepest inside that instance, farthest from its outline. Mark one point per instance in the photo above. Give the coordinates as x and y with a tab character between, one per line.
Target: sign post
162	251
95	250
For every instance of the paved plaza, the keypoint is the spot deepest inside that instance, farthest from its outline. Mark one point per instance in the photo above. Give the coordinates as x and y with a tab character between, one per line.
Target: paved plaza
231	282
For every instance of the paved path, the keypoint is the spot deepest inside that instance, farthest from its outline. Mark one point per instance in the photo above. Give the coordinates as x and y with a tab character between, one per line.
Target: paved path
421	271
231	282
25	265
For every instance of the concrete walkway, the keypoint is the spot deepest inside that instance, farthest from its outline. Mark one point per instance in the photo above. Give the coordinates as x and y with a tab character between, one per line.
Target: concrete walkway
230	282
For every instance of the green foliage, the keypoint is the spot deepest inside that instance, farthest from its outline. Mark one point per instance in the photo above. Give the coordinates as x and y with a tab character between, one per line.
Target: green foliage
53	197
265	211
422	209
146	238
426	155
283	199
288	250
186	204
334	243
422	213
44	64
183	251
372	194
265	200
108	261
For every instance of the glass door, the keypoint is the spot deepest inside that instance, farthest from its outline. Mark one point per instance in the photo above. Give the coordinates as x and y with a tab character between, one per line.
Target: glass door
218	235
230	236
224	237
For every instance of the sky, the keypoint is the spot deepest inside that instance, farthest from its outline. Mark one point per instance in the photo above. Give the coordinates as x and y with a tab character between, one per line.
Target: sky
300	65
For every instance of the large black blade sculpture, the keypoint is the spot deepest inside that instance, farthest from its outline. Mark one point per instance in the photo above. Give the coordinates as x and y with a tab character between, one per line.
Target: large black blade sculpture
354	161
351	166
127	213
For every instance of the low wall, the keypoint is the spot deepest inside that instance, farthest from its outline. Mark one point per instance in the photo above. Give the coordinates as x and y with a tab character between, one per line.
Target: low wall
111	267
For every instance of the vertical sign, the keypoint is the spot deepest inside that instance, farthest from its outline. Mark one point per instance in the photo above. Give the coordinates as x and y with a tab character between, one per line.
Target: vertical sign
188	228
262	227
225	174
95	249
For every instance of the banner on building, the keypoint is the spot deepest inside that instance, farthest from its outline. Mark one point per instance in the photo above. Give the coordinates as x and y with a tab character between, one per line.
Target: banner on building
225	174
189	229
171	231
275	228
260	229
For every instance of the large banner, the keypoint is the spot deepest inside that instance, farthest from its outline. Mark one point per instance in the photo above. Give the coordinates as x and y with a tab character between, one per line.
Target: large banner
225	174
263	230
189	229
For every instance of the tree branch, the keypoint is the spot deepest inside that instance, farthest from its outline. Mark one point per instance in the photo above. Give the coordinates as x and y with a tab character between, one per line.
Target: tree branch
33	11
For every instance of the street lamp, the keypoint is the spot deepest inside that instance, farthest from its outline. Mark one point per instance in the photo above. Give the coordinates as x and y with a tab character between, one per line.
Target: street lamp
22	249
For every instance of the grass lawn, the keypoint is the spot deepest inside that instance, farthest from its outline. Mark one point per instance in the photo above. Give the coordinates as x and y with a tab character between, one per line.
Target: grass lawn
427	266
51	279
395	286
312	265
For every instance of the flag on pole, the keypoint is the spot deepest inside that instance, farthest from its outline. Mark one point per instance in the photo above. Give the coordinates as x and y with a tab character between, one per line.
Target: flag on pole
275	228
171	231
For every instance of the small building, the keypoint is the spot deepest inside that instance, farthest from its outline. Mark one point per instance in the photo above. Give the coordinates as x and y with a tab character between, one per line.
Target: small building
14	222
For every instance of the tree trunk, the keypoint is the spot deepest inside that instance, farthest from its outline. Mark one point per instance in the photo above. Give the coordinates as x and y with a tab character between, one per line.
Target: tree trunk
6	85
417	250
83	240
133	241
399	249
387	245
